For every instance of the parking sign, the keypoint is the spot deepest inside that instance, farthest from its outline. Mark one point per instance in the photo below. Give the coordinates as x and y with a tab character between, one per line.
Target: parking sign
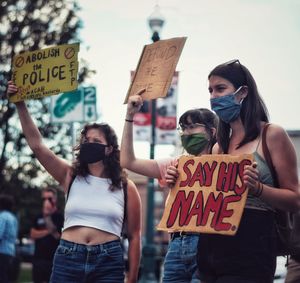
75	106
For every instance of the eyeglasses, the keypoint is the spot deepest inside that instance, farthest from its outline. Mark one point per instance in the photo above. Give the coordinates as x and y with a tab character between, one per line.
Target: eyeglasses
181	128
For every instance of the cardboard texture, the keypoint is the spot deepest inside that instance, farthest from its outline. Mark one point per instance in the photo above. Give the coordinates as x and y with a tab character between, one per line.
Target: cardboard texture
209	195
156	68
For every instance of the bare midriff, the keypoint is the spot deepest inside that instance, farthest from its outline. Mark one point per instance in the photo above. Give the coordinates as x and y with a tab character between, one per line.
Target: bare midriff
87	235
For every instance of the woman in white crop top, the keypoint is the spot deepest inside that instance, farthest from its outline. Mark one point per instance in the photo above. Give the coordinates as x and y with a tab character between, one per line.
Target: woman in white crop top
90	249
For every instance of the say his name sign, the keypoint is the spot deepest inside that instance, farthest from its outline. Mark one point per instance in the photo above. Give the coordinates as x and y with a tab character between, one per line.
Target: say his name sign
45	72
209	195
156	68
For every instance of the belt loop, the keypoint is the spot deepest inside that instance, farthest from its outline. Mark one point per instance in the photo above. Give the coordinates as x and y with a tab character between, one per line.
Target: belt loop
181	233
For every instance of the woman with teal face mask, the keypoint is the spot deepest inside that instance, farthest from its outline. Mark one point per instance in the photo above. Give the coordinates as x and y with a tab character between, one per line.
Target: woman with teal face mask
250	255
197	129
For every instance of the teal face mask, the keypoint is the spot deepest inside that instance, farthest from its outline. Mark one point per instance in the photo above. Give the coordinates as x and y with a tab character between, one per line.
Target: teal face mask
195	143
226	107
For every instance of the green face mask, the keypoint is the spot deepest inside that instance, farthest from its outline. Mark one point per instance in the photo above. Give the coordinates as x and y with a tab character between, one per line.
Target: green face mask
195	143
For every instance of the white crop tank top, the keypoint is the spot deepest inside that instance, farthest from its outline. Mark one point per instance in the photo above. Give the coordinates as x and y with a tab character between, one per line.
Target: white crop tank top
91	203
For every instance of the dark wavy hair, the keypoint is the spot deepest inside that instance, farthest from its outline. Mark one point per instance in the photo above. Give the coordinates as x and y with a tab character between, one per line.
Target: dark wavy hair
253	109
112	167
201	116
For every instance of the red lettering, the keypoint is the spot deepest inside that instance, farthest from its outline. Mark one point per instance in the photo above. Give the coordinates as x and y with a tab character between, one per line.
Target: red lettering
197	209
197	176
240	190
181	206
212	205
234	176
188	173
209	171
224	176
224	213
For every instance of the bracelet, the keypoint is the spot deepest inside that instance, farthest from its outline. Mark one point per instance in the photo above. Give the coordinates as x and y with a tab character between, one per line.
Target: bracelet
259	190
129	120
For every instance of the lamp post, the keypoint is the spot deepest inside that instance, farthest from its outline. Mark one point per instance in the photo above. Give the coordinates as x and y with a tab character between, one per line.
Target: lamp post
156	22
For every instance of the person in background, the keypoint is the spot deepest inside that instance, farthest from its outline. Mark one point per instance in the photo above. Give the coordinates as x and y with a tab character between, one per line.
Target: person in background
8	236
198	131
99	198
45	232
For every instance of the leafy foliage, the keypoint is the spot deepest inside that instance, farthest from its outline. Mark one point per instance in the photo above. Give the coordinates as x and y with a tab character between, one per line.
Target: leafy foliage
27	25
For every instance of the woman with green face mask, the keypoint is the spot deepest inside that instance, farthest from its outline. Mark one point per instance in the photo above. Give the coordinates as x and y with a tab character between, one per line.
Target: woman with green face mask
197	130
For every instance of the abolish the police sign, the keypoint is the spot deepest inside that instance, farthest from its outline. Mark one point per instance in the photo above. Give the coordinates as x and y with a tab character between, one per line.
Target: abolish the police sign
45	72
209	195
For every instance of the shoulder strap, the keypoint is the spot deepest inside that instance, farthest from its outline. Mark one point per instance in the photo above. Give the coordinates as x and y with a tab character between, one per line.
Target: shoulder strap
123	231
267	155
70	185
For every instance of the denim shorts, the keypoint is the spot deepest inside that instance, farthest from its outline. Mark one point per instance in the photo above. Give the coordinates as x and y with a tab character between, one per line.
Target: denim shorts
180	264
88	264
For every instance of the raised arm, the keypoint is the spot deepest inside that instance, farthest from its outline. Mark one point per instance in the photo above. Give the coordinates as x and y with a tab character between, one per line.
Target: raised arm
145	167
58	168
134	231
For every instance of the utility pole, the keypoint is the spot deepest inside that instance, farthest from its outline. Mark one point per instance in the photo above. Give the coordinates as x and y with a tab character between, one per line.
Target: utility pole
156	22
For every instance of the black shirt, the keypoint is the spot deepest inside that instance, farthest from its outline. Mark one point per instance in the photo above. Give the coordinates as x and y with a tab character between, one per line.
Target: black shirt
45	247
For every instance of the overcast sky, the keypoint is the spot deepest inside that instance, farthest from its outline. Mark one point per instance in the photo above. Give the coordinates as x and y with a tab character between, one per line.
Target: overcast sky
263	34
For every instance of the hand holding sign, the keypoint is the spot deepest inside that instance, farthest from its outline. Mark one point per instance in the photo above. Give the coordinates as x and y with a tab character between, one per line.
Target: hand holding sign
11	89
45	72
135	102
172	175
209	195
251	178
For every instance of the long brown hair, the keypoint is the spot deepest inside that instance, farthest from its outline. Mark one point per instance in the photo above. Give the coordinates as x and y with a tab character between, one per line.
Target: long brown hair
112	167
253	109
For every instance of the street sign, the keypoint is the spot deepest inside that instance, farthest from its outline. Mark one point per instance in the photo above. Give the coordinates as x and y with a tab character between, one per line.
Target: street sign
76	106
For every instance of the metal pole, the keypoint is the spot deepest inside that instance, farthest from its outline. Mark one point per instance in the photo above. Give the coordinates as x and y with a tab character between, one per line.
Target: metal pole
149	251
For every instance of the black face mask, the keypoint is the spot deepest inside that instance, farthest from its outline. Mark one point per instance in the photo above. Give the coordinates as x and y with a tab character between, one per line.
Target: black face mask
92	152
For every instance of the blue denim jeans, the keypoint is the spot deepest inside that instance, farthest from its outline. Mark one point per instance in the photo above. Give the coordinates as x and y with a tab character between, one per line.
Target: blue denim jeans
180	264
88	264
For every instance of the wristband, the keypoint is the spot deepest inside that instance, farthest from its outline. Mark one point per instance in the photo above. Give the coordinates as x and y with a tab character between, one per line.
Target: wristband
129	120
259	190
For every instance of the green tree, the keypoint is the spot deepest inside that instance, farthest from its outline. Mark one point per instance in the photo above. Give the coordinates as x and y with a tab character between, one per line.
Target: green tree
27	25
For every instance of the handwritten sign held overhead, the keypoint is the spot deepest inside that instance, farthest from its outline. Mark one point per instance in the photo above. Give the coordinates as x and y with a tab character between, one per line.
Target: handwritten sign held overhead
156	68
209	195
45	72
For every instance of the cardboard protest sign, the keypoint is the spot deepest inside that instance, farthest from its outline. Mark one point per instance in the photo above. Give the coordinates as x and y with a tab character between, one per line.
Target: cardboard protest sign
45	72
209	195
166	121
156	67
